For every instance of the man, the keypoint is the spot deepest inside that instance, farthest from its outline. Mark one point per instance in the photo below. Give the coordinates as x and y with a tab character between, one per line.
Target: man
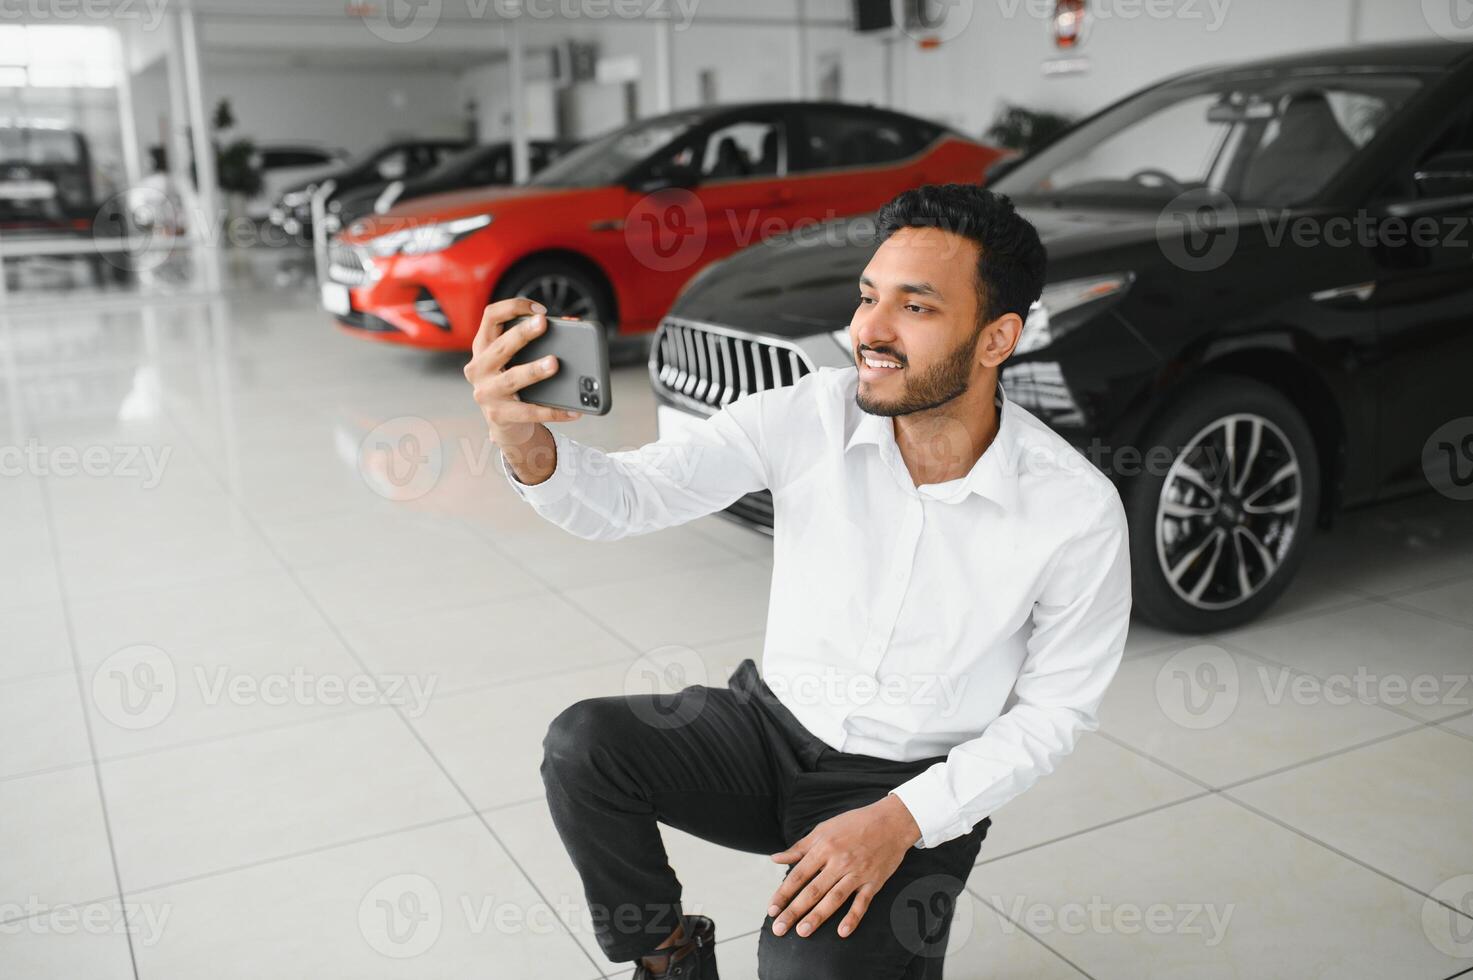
949	602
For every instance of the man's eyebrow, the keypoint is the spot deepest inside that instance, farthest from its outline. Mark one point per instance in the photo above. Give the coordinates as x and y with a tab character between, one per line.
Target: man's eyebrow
920	288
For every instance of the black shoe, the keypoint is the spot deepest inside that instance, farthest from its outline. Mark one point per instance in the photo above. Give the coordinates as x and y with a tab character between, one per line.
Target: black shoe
698	963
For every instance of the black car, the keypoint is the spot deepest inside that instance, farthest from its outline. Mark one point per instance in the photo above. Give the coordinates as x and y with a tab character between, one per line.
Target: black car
480	166
399	160
1259	309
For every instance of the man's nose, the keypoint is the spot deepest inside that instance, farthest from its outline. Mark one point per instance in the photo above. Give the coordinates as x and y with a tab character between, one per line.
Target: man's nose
872	327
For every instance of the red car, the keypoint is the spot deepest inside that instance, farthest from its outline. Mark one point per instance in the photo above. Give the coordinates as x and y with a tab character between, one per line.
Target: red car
613	230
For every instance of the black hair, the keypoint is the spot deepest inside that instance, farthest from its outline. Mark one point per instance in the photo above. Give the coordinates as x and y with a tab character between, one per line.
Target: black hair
1012	260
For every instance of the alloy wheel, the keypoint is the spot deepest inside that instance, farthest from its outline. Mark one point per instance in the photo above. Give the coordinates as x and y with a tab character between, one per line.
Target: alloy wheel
562	295
1229	510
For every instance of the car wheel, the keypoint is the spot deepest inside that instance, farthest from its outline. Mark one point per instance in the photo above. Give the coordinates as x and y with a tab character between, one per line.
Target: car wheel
1217	536
562	287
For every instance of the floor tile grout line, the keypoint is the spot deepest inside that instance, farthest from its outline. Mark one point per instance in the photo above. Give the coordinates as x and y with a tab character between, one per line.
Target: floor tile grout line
1094	827
1460	973
289	856
1028	932
1344	854
1265	659
633	647
1325	756
82	699
406	721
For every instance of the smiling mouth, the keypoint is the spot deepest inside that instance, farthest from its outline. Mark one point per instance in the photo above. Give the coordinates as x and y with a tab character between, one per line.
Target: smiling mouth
880	361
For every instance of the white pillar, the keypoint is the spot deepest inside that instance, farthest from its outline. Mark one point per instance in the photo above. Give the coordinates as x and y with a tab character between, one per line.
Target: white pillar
664	66
199	116
521	165
800	55
207	218
132	168
176	147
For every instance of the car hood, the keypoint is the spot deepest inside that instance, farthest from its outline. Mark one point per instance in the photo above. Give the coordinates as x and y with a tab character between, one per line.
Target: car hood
458	204
806	283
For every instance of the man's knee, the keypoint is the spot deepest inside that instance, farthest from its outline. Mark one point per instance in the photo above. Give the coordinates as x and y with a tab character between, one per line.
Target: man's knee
582	734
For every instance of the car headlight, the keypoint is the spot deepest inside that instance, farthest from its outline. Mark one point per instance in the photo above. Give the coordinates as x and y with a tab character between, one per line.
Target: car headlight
424	239
1065	305
295	199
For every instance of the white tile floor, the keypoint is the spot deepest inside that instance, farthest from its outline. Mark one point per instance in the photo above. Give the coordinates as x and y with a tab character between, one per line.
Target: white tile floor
277	713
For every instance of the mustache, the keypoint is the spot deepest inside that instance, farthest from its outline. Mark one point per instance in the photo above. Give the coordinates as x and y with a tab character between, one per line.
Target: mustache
885	351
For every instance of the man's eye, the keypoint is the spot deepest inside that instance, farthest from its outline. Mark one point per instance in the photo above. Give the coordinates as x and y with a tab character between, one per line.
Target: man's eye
917	309
866	299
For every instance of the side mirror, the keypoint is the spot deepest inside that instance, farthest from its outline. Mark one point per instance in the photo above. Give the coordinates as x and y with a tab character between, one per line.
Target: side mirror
1446	175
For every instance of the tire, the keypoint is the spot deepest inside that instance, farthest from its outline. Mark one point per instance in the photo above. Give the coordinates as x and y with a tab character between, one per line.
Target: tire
563	287
1217	537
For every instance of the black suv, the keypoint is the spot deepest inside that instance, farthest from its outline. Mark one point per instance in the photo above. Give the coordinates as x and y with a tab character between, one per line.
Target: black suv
1259	309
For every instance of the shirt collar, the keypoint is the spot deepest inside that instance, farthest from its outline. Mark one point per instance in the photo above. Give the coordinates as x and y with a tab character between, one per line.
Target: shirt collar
994	475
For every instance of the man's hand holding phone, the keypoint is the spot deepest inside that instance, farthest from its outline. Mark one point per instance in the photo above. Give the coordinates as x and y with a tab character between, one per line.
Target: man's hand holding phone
516	426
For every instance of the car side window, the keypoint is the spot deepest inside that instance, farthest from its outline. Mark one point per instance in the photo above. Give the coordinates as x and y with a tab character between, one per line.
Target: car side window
835	138
743	148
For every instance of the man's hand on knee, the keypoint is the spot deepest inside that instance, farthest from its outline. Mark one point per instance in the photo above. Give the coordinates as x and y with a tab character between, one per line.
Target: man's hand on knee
853	854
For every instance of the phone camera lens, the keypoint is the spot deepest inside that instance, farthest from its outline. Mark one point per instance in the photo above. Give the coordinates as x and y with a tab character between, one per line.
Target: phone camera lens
593	401
583	398
587	383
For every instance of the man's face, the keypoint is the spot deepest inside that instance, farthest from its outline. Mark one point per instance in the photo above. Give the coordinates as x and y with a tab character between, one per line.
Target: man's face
916	330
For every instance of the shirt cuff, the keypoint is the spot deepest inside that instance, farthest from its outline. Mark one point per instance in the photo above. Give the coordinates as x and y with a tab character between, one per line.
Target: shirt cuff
931	804
555	487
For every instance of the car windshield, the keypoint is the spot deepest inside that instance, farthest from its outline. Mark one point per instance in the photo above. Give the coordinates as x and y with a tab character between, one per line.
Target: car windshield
1263	141
462	163
608	158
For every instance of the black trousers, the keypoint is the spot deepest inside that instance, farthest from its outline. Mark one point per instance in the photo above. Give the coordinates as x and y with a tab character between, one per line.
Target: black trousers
734	766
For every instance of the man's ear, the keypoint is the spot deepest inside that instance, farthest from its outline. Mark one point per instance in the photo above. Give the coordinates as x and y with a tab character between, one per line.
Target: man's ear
999	338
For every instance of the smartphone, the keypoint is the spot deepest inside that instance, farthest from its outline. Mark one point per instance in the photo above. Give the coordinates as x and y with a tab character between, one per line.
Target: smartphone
582	379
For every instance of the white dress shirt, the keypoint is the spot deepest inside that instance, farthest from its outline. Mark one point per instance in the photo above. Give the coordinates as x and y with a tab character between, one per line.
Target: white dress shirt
979	619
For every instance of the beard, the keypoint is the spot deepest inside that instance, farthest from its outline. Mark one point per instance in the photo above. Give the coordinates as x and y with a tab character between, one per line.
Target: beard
945	380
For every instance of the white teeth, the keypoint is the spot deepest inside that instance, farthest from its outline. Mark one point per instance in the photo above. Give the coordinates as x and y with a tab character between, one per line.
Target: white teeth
879	364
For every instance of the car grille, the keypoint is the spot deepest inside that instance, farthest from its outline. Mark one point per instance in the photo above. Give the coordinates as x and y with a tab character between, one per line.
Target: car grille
347	265
705	366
